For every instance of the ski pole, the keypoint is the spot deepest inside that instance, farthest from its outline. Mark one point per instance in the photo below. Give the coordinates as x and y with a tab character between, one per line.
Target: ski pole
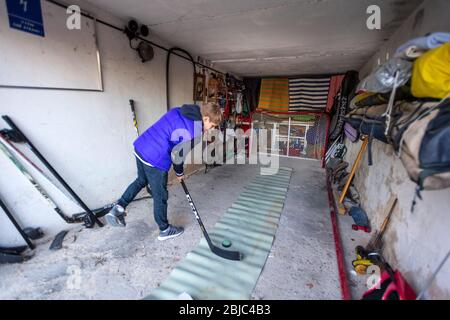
91	215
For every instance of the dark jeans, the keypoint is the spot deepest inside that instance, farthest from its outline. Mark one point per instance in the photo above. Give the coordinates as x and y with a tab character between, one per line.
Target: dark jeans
157	180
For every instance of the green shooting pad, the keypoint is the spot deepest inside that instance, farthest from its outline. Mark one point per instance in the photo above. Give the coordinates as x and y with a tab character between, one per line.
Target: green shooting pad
250	224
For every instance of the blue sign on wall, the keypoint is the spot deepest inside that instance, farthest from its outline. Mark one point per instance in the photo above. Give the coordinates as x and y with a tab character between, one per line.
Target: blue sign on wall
26	15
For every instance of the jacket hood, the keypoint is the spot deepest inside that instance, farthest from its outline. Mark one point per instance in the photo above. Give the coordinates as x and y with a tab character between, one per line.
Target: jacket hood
192	112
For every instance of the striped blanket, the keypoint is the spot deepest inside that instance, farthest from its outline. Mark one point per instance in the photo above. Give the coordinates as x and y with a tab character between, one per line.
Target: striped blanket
274	95
308	94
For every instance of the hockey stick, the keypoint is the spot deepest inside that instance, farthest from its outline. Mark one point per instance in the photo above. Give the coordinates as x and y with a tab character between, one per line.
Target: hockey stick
138	133
16	225
10	258
89	214
33	182
133	112
100	212
6	135
229	255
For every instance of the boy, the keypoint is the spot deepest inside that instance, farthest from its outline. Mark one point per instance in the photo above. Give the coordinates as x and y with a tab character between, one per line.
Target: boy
178	131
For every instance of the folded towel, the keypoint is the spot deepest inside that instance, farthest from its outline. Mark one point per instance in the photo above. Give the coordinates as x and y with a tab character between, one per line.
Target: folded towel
429	42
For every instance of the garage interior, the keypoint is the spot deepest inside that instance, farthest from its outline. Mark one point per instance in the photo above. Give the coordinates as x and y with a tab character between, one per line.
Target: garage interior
341	201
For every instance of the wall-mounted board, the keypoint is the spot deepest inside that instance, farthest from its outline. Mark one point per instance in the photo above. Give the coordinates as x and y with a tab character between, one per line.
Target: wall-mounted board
61	59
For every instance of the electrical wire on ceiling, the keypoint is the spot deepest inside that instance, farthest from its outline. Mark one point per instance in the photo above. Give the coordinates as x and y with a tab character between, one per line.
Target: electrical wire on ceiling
169	53
87	15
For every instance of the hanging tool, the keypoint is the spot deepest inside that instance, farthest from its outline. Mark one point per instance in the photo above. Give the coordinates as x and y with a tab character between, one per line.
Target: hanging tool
354	169
229	255
371	254
376	242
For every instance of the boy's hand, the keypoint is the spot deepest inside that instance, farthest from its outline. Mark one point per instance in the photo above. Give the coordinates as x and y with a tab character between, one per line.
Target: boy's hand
180	179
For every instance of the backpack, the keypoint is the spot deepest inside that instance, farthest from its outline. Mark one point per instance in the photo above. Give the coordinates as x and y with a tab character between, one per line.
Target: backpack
370	121
423	145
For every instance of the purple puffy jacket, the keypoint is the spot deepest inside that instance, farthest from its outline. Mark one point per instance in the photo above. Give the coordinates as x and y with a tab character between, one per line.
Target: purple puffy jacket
179	125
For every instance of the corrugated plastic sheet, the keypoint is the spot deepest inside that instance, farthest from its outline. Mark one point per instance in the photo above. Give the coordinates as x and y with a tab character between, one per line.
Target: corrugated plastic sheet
250	224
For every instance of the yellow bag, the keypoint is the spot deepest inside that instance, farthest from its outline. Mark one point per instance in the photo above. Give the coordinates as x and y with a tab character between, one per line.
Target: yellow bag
431	74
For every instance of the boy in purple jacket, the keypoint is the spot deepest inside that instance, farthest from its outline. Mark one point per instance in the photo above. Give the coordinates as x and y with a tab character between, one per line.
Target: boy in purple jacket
178	131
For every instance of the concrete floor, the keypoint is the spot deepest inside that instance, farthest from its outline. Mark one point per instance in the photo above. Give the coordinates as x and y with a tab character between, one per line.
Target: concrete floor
128	263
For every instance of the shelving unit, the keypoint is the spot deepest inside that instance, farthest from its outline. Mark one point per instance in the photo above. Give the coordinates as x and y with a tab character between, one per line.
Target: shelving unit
290	138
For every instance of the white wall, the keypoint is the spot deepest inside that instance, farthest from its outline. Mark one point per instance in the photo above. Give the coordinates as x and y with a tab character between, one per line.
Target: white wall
87	136
415	242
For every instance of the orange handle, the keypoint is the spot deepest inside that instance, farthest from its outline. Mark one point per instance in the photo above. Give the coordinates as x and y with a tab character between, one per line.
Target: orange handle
354	168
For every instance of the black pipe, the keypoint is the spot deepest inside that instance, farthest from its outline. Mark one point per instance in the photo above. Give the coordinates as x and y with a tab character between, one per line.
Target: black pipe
169	53
140	38
93	218
17	226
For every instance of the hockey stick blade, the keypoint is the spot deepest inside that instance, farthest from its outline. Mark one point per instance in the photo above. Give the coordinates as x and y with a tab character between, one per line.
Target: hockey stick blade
229	255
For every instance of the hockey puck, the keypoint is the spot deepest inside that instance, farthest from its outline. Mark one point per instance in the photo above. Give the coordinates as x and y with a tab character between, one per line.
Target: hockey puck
226	243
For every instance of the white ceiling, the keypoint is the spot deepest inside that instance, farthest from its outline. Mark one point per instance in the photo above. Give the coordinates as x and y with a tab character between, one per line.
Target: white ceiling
269	37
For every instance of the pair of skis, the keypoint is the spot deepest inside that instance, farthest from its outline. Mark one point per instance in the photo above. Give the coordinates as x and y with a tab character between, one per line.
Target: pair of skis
15	134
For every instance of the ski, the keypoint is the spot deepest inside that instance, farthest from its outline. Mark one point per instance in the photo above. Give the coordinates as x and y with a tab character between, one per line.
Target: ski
90	219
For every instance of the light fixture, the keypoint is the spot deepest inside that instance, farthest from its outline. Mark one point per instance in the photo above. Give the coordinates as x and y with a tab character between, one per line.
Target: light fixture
144	49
